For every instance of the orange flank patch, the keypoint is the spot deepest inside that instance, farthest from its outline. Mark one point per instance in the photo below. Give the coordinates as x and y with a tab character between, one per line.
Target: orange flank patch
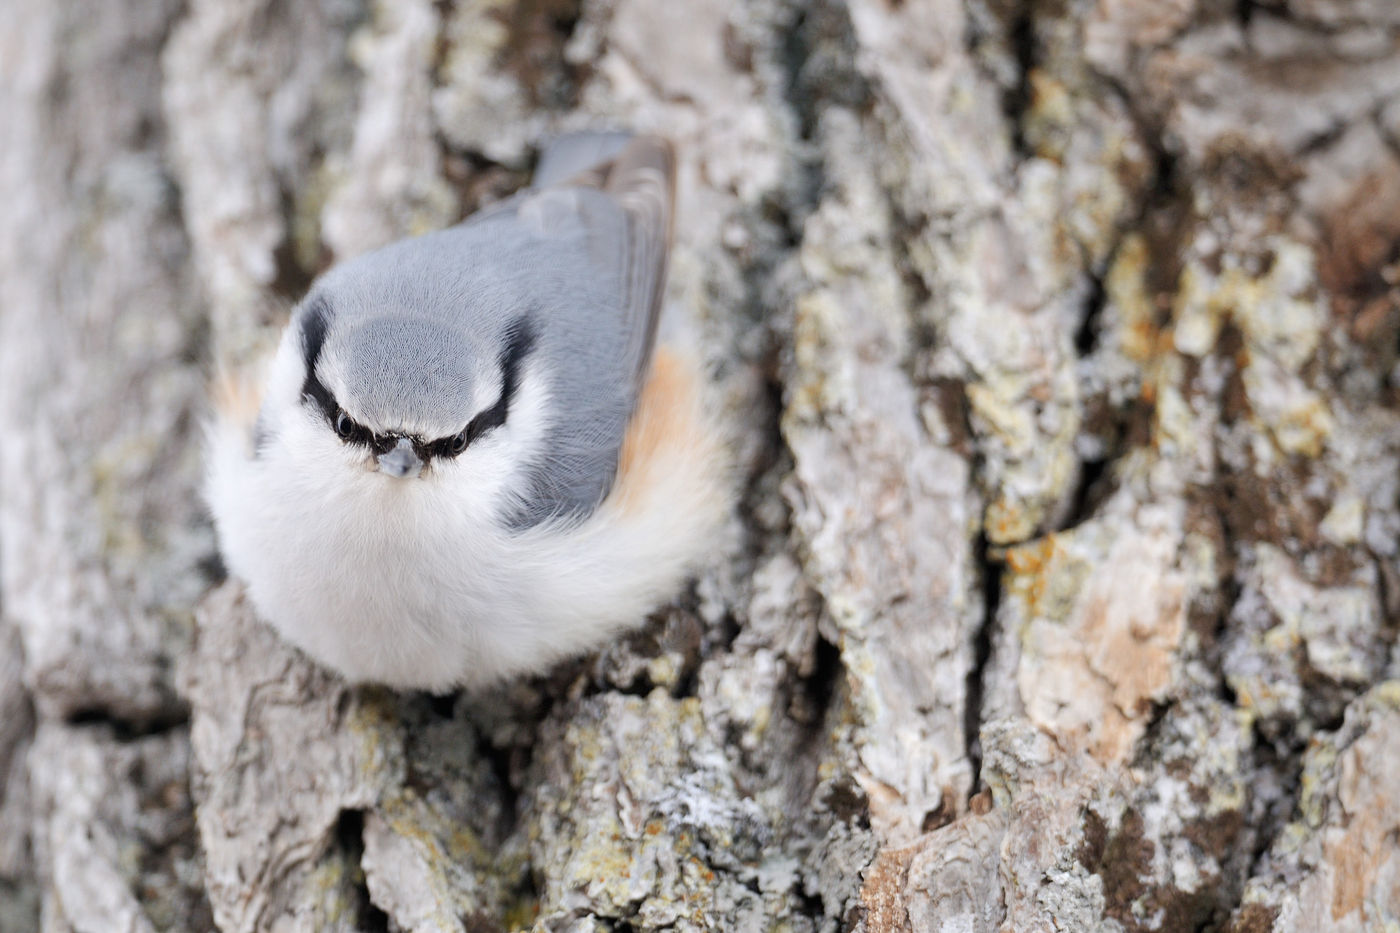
666	420
237	396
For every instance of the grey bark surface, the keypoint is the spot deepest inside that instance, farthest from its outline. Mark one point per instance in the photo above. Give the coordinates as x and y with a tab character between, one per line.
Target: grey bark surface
1057	344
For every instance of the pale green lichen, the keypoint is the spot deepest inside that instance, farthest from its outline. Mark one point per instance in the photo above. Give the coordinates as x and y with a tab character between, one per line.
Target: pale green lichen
478	105
652	847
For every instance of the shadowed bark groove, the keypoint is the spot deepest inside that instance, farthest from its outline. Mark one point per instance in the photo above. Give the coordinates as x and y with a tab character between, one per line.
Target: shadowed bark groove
1058	346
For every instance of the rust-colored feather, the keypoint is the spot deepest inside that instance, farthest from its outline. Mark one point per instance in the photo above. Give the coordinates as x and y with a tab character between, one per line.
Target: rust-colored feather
237	394
668	425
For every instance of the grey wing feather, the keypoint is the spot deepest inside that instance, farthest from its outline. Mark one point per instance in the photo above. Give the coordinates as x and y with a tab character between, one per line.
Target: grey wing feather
643	180
577	153
574	159
640	179
618	216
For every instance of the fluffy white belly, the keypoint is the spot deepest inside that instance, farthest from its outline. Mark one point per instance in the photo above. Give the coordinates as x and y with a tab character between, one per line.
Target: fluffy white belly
415	584
384	585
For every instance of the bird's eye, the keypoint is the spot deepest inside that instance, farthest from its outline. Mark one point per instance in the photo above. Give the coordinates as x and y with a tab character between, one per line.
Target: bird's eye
344	427
459	441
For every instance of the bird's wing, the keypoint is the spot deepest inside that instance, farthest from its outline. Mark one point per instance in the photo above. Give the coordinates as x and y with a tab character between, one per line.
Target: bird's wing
643	182
575	154
629	232
609	222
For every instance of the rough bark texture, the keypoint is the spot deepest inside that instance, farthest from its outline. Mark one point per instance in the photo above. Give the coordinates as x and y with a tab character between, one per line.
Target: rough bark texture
1058	342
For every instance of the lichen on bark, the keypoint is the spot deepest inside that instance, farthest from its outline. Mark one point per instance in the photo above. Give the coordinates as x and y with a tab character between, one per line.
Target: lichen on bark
1057	348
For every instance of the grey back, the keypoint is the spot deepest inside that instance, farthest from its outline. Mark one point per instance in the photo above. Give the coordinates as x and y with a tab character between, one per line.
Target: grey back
415	328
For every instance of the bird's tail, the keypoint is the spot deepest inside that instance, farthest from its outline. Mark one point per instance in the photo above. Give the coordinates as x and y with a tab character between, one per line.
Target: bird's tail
577	154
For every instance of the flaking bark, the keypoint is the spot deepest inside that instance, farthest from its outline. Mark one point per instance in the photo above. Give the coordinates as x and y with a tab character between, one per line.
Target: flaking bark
1057	344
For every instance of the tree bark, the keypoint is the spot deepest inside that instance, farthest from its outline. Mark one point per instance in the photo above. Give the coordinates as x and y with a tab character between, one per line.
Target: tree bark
1057	343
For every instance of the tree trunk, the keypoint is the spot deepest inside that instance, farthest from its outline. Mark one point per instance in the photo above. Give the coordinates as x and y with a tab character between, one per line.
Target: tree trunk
1058	346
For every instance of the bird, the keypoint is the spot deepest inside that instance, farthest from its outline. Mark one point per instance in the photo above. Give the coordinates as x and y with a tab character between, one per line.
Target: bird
468	458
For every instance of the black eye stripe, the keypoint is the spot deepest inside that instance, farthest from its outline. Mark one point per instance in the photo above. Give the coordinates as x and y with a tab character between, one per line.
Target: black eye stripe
313	337
520	340
351	432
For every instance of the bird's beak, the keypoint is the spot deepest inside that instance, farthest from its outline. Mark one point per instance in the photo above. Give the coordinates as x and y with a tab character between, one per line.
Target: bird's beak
401	461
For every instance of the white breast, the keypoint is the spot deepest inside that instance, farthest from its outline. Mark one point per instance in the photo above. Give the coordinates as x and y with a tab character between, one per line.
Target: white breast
414	583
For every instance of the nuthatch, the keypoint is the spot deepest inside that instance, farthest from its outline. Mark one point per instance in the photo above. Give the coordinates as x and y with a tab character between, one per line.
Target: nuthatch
466	462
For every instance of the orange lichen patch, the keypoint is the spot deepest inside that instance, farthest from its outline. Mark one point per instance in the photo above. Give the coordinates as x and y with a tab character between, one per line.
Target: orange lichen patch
882	893
1128	289
1029	566
237	395
667	421
1142	339
1007	522
1363	854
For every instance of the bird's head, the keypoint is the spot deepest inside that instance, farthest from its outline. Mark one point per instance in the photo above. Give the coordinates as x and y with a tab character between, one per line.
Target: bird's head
399	396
